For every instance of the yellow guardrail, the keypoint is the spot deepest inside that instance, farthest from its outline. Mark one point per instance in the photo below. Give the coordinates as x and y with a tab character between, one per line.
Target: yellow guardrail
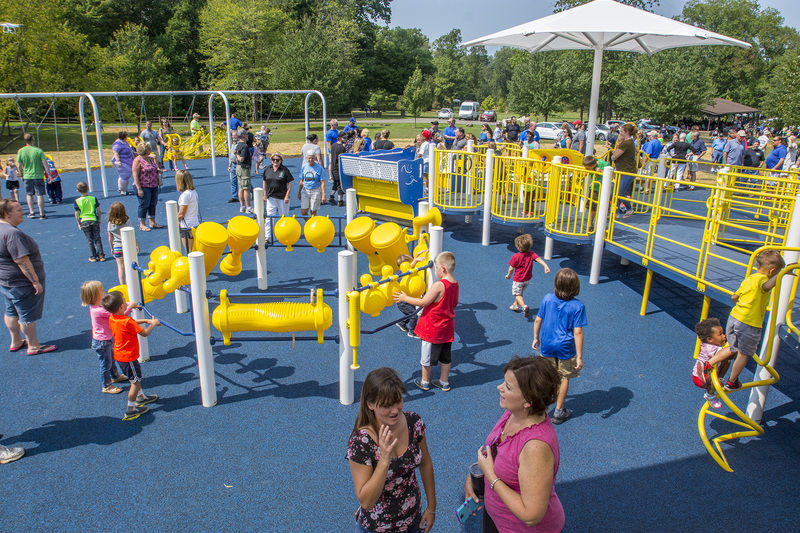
571	201
519	187
752	428
458	183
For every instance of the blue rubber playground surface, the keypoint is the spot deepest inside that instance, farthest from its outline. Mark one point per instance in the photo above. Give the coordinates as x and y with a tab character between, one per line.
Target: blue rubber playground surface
270	455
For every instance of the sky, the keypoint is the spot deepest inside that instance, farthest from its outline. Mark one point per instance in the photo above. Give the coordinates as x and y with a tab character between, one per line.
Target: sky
481	17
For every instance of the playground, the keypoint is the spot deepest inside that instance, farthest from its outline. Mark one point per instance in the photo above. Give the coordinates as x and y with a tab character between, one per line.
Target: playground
270	454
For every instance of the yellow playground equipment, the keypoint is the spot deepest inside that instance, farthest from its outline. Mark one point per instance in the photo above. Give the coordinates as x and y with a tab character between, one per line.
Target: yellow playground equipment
752	428
319	232
383	244
287	230
286	317
242	233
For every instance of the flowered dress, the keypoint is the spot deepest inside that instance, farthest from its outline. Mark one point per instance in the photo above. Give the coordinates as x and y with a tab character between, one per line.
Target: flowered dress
398	507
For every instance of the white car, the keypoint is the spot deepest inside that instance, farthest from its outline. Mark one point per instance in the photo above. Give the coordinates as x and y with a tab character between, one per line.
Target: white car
445	113
548	130
601	132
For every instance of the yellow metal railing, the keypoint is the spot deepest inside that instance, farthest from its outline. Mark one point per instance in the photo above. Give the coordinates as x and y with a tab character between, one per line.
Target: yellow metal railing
571	201
458	182
519	188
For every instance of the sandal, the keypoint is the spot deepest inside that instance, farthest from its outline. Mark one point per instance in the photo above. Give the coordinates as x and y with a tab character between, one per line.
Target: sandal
44	348
92	259
111	389
156	226
144	228
18	348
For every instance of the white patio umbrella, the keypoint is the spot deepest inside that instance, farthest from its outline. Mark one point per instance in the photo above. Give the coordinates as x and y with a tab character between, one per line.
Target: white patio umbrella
603	25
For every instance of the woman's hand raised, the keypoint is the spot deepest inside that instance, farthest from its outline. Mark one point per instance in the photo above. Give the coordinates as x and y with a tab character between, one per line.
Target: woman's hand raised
386	443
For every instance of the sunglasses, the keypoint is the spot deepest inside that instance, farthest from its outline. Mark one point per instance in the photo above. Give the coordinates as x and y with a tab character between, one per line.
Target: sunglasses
277	159
493	445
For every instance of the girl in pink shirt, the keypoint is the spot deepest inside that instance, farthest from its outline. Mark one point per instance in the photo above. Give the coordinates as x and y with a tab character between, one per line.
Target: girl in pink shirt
92	293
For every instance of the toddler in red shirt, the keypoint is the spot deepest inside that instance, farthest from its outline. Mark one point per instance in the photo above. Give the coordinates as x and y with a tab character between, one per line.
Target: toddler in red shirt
436	325
125	331
521	265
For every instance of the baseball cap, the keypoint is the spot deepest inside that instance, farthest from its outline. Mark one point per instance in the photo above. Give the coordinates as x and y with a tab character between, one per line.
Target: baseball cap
426	134
741	133
652	133
353	120
435	122
196	115
577	123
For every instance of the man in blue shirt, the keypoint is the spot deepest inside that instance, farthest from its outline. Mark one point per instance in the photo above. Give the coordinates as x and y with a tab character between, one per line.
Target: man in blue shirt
234	123
777	156
716	154
333	134
450	134
733	153
698	150
653	150
530	136
350	125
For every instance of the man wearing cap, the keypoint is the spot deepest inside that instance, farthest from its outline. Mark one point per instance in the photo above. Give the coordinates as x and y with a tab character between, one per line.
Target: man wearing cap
243	161
436	135
733	153
351	125
312	190
194	125
580	138
449	134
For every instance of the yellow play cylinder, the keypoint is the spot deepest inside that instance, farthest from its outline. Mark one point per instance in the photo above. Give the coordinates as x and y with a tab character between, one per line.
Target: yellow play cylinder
319	232
372	301
159	266
389	288
211	239
389	243
354	324
358	232
286	317
287	231
122	289
179	274
414	284
242	233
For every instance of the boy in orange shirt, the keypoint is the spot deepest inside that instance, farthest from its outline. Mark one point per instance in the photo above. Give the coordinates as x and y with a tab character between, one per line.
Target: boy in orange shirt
126	351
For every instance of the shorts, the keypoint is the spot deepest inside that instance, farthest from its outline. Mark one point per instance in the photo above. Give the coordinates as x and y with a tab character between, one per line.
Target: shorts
12	185
518	287
116	251
132	369
311	199
433	354
566	368
742	337
186	233
243	177
22	303
34	187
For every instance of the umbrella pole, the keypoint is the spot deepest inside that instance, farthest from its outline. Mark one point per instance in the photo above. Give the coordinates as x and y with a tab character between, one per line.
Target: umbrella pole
597	69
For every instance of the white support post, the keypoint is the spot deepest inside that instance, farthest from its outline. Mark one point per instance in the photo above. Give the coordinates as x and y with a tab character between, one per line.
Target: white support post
470	175
437	236
525	151
662	166
85	140
600	224
96	112
781	303
347	282
132	281
594	98
202	329
548	242
261	251
174	232
488	193
432	178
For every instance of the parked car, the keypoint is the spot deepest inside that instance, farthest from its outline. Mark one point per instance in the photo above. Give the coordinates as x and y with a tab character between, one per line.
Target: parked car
601	132
489	116
445	113
616	123
469	111
548	130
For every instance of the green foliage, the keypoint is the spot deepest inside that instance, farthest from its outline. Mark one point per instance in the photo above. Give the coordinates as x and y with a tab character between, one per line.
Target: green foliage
501	71
134	61
536	87
417	96
98	20
396	53
179	43
488	103
784	87
561	5
382	100
654	88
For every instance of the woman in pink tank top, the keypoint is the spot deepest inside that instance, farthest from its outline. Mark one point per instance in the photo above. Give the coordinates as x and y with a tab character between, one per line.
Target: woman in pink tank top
520	460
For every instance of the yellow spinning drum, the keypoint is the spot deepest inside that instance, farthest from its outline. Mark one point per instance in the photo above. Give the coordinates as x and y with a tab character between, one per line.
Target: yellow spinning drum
358	232
242	233
389	242
210	238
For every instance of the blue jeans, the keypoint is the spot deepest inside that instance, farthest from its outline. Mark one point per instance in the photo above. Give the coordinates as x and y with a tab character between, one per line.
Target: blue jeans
161	151
234	182
105	352
413	529
147	203
406	309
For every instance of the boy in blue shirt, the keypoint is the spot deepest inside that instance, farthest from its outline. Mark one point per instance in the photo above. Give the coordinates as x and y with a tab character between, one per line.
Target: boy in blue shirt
560	322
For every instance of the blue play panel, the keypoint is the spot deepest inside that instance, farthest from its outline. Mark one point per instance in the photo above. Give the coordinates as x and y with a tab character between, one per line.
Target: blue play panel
270	455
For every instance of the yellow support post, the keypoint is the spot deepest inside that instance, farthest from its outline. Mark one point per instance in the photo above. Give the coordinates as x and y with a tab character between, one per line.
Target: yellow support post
703	316
646	296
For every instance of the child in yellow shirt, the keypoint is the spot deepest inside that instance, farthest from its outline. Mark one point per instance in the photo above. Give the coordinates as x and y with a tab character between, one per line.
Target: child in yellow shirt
747	316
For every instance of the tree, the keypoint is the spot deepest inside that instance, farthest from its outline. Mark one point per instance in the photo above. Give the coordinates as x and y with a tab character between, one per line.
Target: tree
536	87
382	100
183	28
135	62
501	71
652	88
784	86
488	103
396	53
561	5
449	81
98	20
417	95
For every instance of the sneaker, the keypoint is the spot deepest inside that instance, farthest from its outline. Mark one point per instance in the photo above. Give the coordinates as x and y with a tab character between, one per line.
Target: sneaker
122	378
132	413
9	455
729	386
713	401
144	399
233	200
515	308
412	335
332	199
690	188
241	209
422	385
561	415
526	311
402	326
341	203
439	385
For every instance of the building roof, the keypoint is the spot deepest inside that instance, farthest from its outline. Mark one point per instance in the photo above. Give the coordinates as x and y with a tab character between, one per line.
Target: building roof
722	106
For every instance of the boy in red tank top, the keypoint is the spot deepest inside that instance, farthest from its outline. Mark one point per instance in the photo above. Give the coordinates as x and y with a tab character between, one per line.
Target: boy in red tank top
436	325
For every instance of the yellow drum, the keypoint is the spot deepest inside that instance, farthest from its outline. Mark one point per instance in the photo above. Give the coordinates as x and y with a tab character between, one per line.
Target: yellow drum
242	233
211	239
358	233
287	231
389	242
319	232
178	274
